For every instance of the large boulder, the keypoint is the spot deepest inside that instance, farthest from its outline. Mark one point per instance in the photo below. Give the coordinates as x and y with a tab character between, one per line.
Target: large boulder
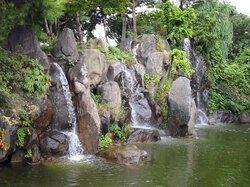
154	64
114	71
96	64
140	72
244	117
111	94
128	155
66	46
179	107
126	45
147	45
24	41
143	135
59	93
54	143
88	123
86	109
192	121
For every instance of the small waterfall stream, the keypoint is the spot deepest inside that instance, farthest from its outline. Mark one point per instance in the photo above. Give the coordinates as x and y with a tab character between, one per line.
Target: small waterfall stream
199	87
75	146
140	110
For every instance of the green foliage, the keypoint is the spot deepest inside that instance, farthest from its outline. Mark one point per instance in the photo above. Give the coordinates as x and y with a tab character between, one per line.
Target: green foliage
29	154
159	45
116	54
175	21
21	72
24	120
48	43
180	62
147	29
147	80
105	141
164	111
21	134
97	98
120	133
3	144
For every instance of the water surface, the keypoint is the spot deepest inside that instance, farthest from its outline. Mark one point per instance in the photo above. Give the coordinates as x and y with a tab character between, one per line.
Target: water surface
221	157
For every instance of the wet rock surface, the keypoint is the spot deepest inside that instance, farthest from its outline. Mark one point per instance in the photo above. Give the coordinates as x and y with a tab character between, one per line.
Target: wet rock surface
244	117
179	107
128	155
143	135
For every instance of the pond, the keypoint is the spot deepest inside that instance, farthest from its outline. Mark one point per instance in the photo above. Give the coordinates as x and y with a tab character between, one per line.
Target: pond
220	157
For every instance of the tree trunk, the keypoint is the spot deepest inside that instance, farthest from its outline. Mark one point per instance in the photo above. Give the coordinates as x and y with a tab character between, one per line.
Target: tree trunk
47	27
124	29
134	19
79	29
56	26
181	4
51	29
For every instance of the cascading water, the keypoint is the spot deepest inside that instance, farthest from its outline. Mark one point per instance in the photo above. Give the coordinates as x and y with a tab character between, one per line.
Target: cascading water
198	82
75	146
140	110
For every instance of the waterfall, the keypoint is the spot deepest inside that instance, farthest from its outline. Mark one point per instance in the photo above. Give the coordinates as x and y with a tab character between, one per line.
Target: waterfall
75	146
140	110
198	82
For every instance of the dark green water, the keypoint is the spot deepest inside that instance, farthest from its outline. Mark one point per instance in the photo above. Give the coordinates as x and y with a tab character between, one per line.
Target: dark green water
221	157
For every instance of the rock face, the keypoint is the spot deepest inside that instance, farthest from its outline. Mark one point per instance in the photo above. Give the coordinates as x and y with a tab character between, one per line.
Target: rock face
222	117
154	64
66	46
111	93
244	117
127	44
23	40
61	113
88	123
147	45
114	71
96	64
191	123
86	109
179	107
55	143
10	139
143	135
128	155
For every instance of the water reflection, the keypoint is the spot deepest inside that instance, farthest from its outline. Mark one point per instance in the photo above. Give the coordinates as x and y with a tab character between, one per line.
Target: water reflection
221	157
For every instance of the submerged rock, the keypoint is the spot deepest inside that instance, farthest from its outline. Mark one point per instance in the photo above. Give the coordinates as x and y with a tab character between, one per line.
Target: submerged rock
143	135
179	107
128	155
24	41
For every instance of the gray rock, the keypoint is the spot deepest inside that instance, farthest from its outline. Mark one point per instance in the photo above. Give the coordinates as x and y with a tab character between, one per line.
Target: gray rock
60	119
105	122
126	45
102	42
88	123
154	64
23	40
111	94
55	143
179	107
140	72
191	123
96	64
66	46
18	156
128	155
78	76
114	71
223	117
143	135
244	117
166	44
147	45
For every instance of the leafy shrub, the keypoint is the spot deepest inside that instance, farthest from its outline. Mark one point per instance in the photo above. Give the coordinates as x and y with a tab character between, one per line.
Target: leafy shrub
147	80
105	141
3	144
48	44
120	133
29	154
